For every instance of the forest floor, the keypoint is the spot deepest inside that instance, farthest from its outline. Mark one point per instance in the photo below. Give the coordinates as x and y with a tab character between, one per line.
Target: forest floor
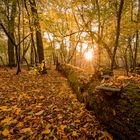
37	107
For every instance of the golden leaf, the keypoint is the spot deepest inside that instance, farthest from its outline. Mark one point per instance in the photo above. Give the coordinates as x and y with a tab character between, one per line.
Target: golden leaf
104	135
18	110
77	121
59	116
39	113
20	124
4	108
26	130
41	97
47	131
62	127
48	126
12	98
5	132
6	120
74	134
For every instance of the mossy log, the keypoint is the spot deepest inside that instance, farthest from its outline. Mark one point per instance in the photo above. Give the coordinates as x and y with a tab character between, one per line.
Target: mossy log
121	114
77	77
118	111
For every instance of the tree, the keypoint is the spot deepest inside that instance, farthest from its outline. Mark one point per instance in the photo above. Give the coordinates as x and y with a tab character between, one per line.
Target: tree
39	42
11	32
137	37
118	16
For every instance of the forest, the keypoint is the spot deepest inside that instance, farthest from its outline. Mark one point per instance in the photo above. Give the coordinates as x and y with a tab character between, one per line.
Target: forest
69	69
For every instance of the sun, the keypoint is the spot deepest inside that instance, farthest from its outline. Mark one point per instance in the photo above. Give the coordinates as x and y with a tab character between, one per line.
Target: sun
88	55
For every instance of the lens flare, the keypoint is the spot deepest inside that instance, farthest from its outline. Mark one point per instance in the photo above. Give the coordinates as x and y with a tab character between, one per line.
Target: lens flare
88	55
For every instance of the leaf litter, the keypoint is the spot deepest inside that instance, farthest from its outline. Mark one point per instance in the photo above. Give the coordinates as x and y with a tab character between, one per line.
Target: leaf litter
38	107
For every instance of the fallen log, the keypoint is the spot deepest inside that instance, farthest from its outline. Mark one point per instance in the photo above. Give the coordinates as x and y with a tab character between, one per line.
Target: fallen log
119	114
117	109
108	89
77	77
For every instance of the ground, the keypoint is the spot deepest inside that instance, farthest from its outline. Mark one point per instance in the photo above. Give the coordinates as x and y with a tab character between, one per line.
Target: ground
36	107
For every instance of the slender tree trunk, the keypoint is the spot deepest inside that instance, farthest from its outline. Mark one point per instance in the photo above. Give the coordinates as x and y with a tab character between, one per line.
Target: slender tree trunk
16	47
11	31
33	54
136	51
131	57
19	19
119	13
137	38
99	33
39	41
23	28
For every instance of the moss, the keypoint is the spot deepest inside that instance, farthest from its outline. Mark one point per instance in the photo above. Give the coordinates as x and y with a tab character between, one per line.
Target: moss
120	115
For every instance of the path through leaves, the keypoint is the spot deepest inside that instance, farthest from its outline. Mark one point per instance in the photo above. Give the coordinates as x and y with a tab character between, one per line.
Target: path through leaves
38	107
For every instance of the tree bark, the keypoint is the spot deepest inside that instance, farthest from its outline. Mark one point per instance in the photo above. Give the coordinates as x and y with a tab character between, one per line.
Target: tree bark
119	13
16	47
39	41
11	30
33	53
137	38
99	28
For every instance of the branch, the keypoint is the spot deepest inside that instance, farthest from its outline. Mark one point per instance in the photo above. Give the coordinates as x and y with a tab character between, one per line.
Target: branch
23	39
5	31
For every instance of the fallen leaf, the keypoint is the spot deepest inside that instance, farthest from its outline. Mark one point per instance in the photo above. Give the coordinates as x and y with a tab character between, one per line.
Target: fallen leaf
89	119
62	127
67	129
41	97
26	130
77	121
6	120
39	113
18	110
59	116
5	132
4	108
47	131
20	124
30	113
48	126
22	138
12	98
104	135
74	134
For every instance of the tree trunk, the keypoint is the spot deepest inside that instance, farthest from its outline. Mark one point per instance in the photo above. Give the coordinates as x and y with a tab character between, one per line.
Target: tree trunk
137	38
33	53
136	51
11	30
119	13
39	42
99	28
19	38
